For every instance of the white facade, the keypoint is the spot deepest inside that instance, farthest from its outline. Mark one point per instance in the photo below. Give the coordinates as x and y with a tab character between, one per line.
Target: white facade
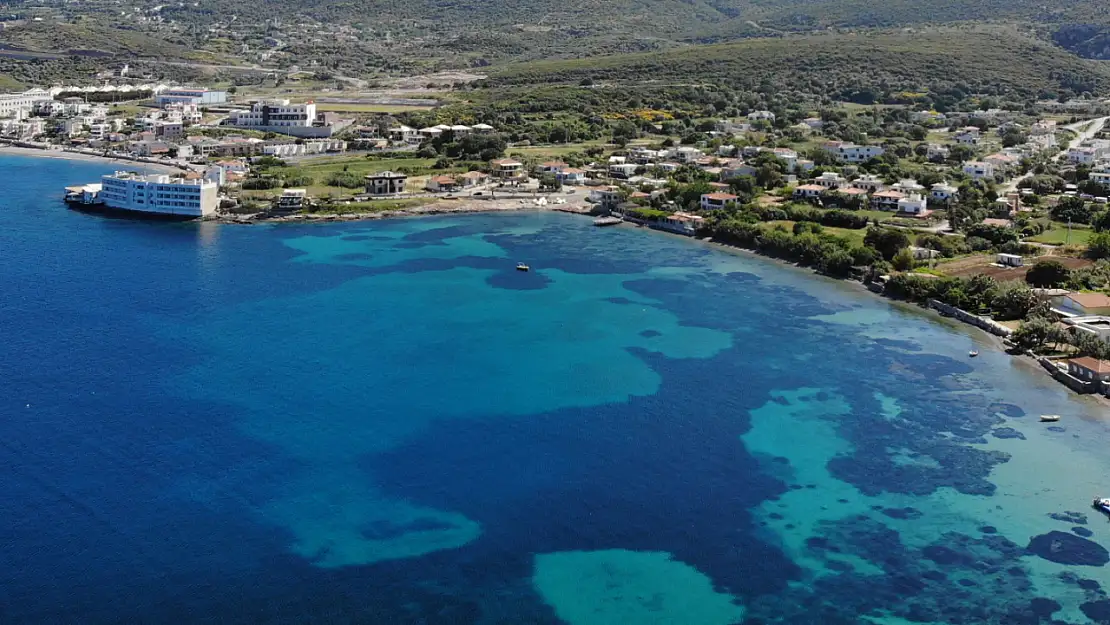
322	146
1083	155
979	169
830	180
852	153
16	104
190	96
686	154
943	192
913	204
159	194
274	114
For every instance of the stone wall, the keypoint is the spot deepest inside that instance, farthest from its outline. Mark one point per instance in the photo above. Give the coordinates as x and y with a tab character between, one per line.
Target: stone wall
1074	383
984	323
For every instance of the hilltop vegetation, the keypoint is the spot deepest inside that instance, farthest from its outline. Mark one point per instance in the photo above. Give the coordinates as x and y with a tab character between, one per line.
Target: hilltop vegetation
864	68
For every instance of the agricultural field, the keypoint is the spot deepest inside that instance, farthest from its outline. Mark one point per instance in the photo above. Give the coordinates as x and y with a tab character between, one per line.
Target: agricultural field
1059	235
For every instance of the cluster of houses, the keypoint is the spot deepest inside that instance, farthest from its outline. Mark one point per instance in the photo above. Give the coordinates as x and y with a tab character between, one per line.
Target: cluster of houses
905	197
413	136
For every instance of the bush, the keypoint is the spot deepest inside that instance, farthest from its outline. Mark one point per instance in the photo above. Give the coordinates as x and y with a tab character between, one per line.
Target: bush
1048	274
1072	209
260	184
886	241
995	234
345	179
903	260
1099	246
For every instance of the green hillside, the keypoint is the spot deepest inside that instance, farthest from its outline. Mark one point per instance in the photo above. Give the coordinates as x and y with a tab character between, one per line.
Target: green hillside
855	67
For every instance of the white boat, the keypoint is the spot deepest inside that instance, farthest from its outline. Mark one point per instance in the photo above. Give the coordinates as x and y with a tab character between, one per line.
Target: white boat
1102	504
1050	418
973	353
522	267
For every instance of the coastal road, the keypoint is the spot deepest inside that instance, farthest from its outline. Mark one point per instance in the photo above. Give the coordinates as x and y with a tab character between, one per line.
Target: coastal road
1093	128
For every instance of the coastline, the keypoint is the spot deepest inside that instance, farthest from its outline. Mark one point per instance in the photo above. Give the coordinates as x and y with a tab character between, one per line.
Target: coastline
978	334
439	207
12	150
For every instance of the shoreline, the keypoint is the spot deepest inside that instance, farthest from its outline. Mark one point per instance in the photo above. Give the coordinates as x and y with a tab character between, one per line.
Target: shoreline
66	155
977	333
440	207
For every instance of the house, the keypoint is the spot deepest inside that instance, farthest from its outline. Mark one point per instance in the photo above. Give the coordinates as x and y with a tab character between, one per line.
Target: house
1043	127
686	154
830	180
1095	325
913	204
928	117
736	170
551	167
937	152
430	133
808	191
1000	161
443	184
681	223
482	129
761	115
1085	155
1084	304
292	199
943	192
1009	260
1089	369
606	197
923	253
507	169
712	201
234	166
852	153
623	170
886	200
814	123
969	136
571	176
474	178
404	134
979	169
385	183
869	183
908	186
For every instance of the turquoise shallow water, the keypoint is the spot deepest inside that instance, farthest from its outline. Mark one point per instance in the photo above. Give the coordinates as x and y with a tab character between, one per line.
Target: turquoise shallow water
385	422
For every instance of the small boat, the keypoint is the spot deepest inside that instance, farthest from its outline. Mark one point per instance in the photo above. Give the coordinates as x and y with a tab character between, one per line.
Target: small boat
972	354
522	267
1050	418
1102	504
607	221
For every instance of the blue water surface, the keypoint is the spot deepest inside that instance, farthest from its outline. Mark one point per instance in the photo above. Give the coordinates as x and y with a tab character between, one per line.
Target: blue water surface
384	422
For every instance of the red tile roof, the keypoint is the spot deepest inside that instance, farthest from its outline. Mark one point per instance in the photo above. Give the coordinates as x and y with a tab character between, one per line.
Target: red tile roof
1090	300
1091	364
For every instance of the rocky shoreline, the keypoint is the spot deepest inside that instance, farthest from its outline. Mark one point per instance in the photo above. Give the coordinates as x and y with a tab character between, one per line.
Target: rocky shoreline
442	207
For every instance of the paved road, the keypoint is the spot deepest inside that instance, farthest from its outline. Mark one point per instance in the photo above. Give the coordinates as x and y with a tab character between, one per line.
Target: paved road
1093	128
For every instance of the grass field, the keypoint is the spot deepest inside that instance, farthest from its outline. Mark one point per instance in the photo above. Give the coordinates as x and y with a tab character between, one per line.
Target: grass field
855	236
1058	235
358	107
319	169
373	206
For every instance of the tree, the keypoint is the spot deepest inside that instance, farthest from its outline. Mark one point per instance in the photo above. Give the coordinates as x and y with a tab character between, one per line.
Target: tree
550	182
768	177
1048	274
1014	302
903	260
1032	334
1073	209
886	241
1099	246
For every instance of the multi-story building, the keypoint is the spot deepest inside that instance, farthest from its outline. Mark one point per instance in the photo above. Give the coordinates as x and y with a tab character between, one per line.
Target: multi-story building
853	153
185	95
159	194
16	104
979	169
299	120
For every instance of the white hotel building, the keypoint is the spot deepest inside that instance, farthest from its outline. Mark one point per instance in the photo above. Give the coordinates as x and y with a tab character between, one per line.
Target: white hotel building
15	104
159	194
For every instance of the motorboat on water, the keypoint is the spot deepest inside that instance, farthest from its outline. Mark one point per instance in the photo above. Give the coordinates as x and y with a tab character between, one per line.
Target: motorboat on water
972	354
1050	418
1102	504
522	267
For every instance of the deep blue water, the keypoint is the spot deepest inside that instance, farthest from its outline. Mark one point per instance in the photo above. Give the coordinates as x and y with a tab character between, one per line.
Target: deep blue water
385	423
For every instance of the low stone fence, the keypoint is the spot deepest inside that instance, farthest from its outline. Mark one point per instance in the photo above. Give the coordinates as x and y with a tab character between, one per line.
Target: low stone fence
1063	377
990	325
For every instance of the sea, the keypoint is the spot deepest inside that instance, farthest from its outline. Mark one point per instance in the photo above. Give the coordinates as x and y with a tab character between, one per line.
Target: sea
386	422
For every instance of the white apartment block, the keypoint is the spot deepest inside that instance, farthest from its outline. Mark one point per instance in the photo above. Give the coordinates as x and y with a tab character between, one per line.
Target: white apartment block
852	153
16	104
282	150
274	114
159	194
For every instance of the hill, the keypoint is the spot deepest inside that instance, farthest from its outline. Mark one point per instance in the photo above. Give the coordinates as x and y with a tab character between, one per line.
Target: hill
861	67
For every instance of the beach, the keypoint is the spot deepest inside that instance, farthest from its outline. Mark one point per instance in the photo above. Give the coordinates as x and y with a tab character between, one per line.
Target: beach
12	150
